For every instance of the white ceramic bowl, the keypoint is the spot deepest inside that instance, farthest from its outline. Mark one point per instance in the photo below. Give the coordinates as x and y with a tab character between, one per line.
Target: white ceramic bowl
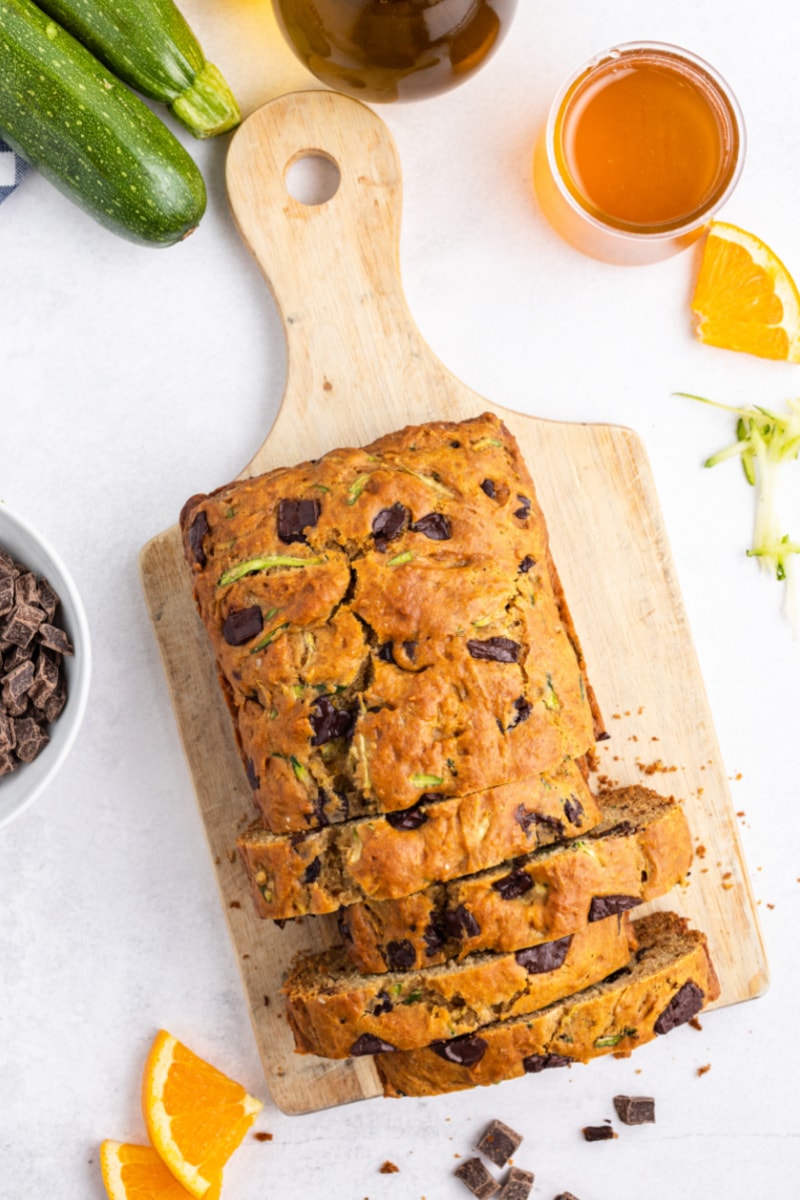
20	788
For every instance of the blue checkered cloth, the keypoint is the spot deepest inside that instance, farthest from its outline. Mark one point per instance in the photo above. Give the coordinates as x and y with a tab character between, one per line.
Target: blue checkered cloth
12	169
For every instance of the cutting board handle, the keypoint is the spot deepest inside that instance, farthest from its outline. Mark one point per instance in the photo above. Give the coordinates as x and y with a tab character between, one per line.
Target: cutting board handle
355	355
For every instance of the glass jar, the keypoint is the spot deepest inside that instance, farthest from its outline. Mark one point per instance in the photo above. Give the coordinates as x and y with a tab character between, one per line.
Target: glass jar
385	50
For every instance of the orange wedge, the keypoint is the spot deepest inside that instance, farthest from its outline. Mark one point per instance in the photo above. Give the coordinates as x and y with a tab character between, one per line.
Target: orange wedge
137	1173
195	1115
745	299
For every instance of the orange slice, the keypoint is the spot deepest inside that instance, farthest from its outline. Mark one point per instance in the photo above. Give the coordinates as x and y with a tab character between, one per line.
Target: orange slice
195	1115
137	1173
745	299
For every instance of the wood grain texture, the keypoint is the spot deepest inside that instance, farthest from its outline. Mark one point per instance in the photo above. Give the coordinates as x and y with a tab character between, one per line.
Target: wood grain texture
359	368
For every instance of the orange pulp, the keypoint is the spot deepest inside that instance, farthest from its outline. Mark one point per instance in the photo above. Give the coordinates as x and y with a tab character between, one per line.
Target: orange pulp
645	141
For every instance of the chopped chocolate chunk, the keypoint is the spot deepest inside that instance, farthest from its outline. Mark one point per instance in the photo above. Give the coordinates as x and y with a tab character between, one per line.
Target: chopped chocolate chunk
518	1185
461	923
466	1051
410	650
242	625
31	738
513	885
26	589
8	736
573	811
490	489
495	649
526	564
197	532
609	906
635	1110
329	722
369	1044
383	1004
18	681
345	932
527	819
549	956
54	638
385	652
252	777
523	709
684	1005
434	937
498	1142
22	625
401	955
407	818
525	507
621	829
598	1133
7	763
312	871
435	526
294	517
54	705
534	1063
6	594
390	523
48	599
477	1179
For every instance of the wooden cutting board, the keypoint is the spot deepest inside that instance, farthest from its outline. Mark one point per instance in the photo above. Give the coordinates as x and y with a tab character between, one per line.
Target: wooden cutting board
358	368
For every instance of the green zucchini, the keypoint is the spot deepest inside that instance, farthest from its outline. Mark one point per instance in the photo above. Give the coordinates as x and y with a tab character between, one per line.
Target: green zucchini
68	116
148	44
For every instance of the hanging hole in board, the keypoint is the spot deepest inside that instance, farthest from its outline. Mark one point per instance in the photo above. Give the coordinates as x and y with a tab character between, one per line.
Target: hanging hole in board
312	179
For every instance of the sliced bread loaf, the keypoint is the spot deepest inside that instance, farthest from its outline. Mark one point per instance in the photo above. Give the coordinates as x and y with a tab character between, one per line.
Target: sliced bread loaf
640	850
336	1012
393	855
670	979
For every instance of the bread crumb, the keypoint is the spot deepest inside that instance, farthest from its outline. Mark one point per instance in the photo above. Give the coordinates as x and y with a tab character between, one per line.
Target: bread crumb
770	906
263	1137
701	851
695	1024
389	1168
702	1070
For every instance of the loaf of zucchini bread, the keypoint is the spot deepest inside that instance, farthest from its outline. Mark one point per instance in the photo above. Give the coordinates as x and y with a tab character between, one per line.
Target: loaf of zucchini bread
388	624
669	980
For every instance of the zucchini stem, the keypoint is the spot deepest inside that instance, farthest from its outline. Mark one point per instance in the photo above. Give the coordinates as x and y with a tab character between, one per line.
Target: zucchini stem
208	107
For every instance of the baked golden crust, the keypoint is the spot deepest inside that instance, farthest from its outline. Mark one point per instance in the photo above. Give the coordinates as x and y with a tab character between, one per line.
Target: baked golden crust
387	623
336	1013
670	979
390	856
641	849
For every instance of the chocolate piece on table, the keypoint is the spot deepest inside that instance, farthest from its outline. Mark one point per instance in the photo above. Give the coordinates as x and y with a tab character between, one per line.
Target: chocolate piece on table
598	1133
499	1142
635	1110
474	1175
566	1196
518	1185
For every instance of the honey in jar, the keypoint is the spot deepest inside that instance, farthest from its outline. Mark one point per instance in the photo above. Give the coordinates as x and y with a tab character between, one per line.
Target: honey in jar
386	50
643	146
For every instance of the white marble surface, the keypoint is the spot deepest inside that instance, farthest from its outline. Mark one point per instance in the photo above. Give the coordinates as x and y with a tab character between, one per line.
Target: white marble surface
132	377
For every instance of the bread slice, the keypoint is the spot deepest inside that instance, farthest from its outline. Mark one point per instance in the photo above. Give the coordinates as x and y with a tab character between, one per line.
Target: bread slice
639	851
389	856
336	1012
670	979
388	622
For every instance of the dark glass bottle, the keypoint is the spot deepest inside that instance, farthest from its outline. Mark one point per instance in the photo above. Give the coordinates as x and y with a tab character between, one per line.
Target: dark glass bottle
384	50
